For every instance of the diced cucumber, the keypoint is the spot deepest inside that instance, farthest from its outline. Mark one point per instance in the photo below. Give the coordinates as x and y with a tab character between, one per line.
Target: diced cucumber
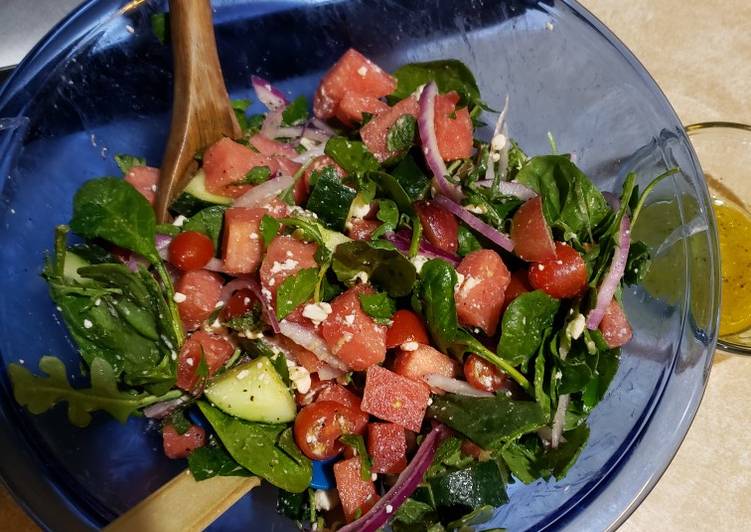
70	269
330	199
331	239
195	197
253	391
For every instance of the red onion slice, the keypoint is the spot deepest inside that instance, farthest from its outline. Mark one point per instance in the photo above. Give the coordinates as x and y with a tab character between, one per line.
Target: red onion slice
323	126
559	420
215	265
162	243
613	276
309	154
447	384
268	95
426	127
252	285
475	223
260	195
500	129
165	408
310	340
511	188
405	485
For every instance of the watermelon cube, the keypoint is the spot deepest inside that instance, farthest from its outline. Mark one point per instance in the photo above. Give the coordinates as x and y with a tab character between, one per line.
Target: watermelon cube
242	246
394	398
423	360
356	495
387	447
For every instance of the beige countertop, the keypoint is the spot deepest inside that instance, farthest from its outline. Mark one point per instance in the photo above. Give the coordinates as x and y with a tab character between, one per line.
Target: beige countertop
700	54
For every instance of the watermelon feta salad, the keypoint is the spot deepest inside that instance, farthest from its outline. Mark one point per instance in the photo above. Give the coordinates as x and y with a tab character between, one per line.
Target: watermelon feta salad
382	315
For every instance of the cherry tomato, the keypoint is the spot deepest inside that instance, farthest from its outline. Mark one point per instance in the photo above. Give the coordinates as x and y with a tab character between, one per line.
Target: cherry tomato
239	304
531	234
191	250
407	327
318	427
483	375
438	225
564	276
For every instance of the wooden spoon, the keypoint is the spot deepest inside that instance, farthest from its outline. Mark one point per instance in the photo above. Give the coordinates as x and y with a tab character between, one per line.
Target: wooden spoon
201	110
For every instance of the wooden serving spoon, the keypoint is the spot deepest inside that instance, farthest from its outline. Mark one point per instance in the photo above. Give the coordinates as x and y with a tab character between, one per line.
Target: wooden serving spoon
201	110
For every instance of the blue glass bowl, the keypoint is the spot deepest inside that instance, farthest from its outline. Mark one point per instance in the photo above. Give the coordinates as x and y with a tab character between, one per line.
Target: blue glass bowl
100	84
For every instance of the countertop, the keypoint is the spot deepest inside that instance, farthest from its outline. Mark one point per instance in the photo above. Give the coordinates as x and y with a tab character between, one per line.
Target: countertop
700	54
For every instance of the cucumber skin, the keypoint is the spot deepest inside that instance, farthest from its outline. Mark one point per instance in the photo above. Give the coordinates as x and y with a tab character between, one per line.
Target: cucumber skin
195	197
253	391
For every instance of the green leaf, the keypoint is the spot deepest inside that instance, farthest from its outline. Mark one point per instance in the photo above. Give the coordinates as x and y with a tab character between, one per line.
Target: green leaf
449	75
378	306
387	268
126	162
473	519
522	456
638	263
269	228
39	394
412	179
255	176
266	450
542	398
292	505
295	290
212	461
388	213
112	209
296	112
330	199
351	155
391	188
448	457
458	493
167	229
557	462
239	106
401	134
209	222
412	514
160	26
524	323
467	242
357	443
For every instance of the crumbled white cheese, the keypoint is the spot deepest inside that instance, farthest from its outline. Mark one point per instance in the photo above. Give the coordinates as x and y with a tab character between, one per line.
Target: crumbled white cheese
575	327
189	361
360	210
252	335
468	284
362	71
549	26
361	276
459	281
498	142
287	265
180	220
389	508
373	477
495	156
300	379
316	312
179	297
477	209
349	319
87	324
418	261
410	346
254	236
325	500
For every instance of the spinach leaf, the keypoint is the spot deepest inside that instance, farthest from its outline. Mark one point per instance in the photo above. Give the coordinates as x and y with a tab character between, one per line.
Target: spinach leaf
467	242
330	199
638	263
295	290
474	518
391	188
411	178
387	268
265	450
296	112
167	229
557	462
112	209
126	162
388	213
413	516
490	422
378	306
39	394
522	457
523	325
351	155
213	460
542	398
607	366
160	26
401	134
269	228
449	75
357	443
209	222
448	457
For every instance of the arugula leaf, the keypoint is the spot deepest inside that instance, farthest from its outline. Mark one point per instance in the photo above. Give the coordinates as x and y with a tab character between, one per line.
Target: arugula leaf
160	26
39	394
209	222
126	162
255	176
330	199
388	213
467	242
524	322
401	134
269	228
214	461
296	112
387	268
449	75
239	106
357	443
378	306
264	449
295	290
351	155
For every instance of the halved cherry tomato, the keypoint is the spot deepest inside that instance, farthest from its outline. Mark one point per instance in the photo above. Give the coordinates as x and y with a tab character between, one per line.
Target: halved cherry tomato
565	276
318	427
190	250
483	375
239	304
439	226
406	327
532	238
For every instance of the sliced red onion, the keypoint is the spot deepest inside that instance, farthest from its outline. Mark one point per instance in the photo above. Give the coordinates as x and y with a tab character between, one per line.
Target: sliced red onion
475	223
405	485
500	129
260	195
165	408
243	283
162	243
323	126
272	123
233	286
215	265
403	238
269	96
290	132
310	340
135	261
613	276
511	188
327	373
426	127
559	420
447	384
315	134
310	153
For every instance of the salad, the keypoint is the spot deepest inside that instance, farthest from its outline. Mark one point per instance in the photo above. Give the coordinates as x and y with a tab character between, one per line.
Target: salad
380	314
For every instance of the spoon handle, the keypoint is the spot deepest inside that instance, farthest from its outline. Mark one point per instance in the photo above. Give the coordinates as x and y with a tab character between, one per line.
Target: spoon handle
201	111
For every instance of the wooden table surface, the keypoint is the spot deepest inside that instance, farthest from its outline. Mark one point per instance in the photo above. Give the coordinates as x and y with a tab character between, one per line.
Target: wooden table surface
700	54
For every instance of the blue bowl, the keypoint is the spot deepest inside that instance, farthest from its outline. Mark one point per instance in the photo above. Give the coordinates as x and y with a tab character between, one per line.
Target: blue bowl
100	84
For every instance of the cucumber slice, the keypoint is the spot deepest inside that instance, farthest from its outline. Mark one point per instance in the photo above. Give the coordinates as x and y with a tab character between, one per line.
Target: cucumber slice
331	239
195	197
70	268
253	391
330	199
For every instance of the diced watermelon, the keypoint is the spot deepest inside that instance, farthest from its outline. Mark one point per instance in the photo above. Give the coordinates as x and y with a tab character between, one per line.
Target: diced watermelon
181	445
356	495
214	349
479	299
394	398
351	334
340	394
387	447
226	162
423	360
352	106
285	257
144	179
453	127
439	226
353	72
197	293
272	148
374	132
614	326
531	234
362	229
242	245
518	285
